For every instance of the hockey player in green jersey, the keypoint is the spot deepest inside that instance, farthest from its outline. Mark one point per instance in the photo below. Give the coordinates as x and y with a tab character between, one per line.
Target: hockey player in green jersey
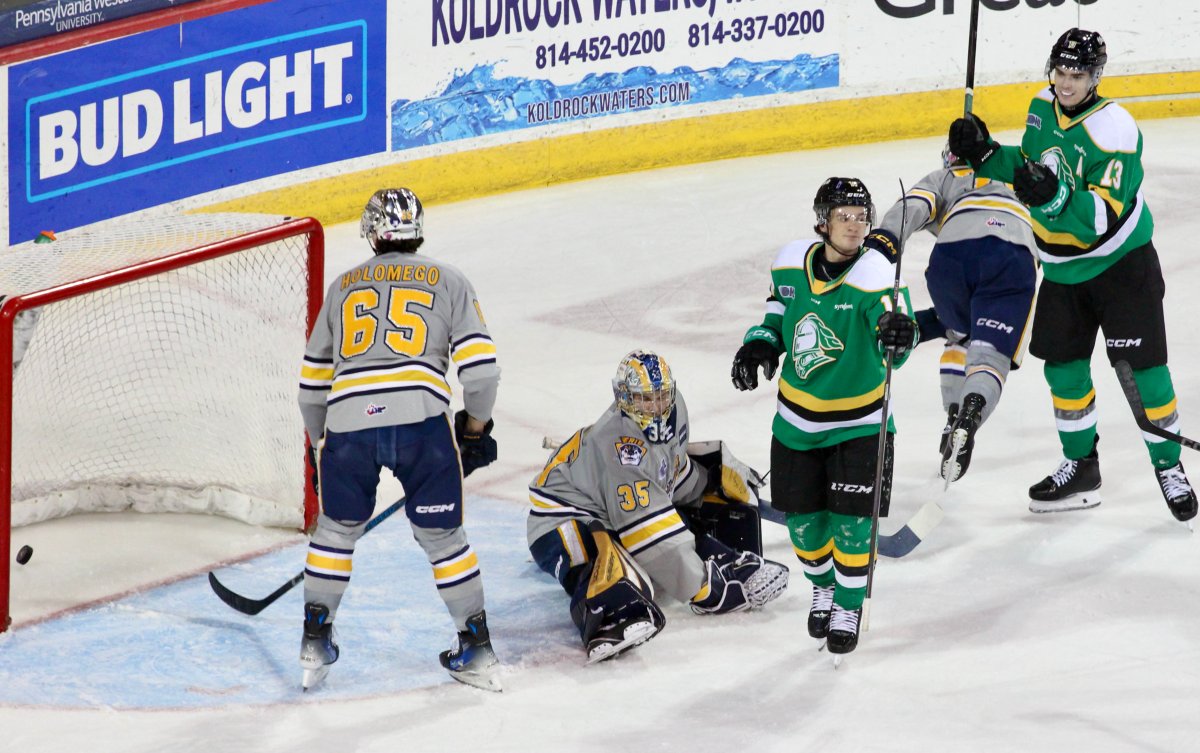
830	313
1079	170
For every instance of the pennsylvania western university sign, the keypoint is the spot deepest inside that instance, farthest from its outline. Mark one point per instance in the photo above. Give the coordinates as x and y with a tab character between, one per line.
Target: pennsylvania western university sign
25	20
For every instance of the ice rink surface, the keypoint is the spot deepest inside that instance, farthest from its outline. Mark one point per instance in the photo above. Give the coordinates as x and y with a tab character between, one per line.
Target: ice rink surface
1004	631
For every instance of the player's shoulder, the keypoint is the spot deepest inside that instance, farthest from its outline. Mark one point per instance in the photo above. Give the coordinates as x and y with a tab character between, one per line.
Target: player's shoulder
1043	98
1112	128
873	271
792	255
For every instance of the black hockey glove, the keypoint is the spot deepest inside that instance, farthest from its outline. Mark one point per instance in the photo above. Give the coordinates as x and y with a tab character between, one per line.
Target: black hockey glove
749	358
896	332
929	326
312	469
885	242
1036	185
476	450
969	139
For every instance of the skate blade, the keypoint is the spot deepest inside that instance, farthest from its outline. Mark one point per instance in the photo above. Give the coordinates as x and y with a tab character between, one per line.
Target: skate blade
837	660
313	677
951	470
634	635
485	679
1080	501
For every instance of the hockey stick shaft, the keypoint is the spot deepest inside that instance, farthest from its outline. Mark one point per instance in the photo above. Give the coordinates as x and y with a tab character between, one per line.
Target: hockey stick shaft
249	606
969	94
1134	397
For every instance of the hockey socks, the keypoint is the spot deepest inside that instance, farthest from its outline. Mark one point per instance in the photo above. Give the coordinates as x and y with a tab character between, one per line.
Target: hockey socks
1074	406
813	544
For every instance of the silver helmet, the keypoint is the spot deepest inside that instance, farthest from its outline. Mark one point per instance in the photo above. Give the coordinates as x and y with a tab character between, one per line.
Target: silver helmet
392	214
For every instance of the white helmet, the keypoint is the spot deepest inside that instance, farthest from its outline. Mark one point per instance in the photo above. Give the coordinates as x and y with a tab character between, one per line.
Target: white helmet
392	214
645	391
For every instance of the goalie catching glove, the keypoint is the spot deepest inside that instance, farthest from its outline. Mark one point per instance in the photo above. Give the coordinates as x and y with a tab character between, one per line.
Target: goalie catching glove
737	581
475	449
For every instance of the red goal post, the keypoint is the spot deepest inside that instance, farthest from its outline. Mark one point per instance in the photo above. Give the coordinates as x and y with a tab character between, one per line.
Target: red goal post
161	374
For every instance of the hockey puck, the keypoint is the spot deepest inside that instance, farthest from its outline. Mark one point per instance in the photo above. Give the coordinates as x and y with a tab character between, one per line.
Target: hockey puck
23	554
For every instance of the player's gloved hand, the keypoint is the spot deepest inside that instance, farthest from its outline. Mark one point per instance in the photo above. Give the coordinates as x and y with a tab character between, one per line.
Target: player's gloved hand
969	139
896	332
929	326
749	358
314	479
475	449
1036	185
885	242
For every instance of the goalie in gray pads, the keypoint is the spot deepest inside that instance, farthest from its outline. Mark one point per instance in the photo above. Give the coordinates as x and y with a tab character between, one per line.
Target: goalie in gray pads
609	519
374	394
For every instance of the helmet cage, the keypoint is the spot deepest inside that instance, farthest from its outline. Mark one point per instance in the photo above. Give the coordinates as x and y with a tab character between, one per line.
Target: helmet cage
645	389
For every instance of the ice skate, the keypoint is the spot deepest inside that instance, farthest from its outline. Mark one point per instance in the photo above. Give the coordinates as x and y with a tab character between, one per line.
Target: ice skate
818	613
1074	486
318	647
956	457
951	416
615	639
471	661
1178	492
843	632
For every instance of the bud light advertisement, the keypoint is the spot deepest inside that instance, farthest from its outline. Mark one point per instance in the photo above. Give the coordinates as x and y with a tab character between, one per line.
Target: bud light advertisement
166	114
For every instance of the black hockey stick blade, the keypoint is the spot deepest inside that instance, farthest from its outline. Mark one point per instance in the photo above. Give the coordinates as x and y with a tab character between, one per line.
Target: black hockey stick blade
912	533
1134	398
767	512
248	606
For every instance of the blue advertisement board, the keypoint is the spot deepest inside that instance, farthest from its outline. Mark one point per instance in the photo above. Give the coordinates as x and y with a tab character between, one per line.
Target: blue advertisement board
166	114
24	20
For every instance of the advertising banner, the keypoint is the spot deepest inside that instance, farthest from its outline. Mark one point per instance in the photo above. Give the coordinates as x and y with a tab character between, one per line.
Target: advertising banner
166	114
33	19
468	68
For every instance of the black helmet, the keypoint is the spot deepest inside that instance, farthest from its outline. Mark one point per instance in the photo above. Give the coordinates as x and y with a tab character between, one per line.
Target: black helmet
1079	50
842	192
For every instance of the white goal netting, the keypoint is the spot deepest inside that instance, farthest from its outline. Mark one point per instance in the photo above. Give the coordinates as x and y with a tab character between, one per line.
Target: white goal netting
176	392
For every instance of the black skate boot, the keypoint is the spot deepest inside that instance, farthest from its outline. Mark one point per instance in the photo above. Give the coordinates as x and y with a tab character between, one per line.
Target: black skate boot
1178	492
818	613
615	638
318	647
951	416
956	456
1074	486
471	660
843	631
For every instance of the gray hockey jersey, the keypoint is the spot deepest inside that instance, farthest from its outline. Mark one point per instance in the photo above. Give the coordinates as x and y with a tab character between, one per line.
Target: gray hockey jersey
609	471
382	344
956	205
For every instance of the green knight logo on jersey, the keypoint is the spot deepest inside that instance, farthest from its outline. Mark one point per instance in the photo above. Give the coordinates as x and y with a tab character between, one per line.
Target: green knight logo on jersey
1054	159
812	340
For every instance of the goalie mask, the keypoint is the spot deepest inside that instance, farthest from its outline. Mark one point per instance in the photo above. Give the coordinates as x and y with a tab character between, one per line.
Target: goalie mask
645	391
392	214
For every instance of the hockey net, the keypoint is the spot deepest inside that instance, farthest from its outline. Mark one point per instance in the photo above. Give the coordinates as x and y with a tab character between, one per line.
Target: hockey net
161	375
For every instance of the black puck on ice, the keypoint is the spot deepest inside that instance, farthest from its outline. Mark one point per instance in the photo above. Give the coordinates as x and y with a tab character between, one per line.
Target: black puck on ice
23	554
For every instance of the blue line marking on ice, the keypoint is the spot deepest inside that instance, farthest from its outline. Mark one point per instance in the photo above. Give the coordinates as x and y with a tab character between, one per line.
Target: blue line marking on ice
179	647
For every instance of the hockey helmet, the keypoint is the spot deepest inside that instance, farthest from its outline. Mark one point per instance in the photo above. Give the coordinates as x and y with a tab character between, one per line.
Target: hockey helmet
645	391
952	161
842	192
392	214
1079	50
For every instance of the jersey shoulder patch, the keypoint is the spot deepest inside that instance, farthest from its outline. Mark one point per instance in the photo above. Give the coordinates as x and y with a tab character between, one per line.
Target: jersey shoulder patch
872	272
1113	129
793	254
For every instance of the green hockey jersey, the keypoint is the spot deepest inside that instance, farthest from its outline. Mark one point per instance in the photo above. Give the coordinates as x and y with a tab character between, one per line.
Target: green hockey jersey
1098	153
831	383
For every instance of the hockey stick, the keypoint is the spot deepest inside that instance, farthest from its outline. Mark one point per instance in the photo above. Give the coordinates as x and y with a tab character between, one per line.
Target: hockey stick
969	94
246	605
1134	397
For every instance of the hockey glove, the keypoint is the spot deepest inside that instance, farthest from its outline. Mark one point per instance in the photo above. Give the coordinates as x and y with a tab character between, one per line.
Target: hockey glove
929	326
885	243
720	593
1036	185
896	332
749	358
476	450
969	139
314	479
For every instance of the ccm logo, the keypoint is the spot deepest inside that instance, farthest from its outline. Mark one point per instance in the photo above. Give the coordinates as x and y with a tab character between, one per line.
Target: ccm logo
985	322
1124	342
435	508
851	488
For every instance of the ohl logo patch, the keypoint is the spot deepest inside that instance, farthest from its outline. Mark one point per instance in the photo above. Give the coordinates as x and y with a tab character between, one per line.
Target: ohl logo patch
812	343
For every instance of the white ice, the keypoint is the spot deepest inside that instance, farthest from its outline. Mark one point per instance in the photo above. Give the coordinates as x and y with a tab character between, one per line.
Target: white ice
1004	631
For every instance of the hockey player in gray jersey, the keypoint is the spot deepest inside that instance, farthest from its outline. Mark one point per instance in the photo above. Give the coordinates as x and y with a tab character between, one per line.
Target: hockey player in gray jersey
981	276
374	394
610	519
